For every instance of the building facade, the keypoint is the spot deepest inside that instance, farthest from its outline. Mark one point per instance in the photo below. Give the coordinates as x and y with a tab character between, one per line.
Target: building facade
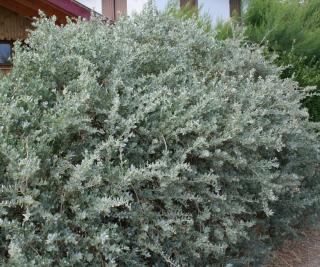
16	17
216	9
112	9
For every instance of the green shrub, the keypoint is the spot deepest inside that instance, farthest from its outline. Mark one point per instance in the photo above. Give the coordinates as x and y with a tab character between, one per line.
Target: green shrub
149	143
225	29
284	23
292	29
189	12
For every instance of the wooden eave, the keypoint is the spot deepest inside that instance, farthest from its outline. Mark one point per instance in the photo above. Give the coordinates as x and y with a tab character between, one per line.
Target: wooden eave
60	8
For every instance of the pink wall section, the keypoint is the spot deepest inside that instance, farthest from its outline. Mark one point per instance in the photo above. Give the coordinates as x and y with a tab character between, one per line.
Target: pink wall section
112	9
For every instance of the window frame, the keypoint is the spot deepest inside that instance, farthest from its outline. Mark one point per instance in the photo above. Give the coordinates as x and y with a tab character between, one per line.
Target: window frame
7	65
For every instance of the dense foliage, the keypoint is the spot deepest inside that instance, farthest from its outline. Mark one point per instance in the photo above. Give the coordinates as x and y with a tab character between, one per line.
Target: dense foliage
149	143
189	11
292	29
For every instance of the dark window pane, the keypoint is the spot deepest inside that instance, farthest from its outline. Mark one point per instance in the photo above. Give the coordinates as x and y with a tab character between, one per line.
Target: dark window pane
5	53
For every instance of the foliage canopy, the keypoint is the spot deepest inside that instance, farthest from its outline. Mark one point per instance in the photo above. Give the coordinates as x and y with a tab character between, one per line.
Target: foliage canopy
149	143
291	28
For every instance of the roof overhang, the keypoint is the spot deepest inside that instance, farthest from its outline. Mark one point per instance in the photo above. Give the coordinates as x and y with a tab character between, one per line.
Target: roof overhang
60	8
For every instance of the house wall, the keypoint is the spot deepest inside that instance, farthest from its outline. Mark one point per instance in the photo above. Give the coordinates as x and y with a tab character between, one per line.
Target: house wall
12	26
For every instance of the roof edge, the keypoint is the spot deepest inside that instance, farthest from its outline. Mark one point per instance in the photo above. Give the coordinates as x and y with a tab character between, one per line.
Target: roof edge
72	7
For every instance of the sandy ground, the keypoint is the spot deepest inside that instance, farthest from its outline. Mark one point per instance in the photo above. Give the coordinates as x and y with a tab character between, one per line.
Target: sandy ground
304	252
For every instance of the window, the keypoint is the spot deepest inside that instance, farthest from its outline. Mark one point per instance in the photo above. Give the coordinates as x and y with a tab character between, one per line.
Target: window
5	52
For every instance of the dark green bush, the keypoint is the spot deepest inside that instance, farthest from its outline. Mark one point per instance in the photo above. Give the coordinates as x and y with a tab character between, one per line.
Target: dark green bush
291	29
149	143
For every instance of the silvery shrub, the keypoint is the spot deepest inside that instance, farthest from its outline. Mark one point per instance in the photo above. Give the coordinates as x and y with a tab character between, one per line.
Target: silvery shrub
149	143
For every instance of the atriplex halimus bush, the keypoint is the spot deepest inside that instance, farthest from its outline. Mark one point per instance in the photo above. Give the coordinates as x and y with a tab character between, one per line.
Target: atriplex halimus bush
148	143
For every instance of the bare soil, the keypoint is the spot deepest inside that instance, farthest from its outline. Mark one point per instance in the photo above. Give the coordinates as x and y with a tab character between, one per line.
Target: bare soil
304	252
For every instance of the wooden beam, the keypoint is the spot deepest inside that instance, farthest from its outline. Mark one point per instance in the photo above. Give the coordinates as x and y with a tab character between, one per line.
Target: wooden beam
190	2
18	8
108	9
235	7
120	8
5	69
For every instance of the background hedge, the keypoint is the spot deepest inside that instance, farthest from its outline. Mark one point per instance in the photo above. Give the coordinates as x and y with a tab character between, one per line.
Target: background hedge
291	29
